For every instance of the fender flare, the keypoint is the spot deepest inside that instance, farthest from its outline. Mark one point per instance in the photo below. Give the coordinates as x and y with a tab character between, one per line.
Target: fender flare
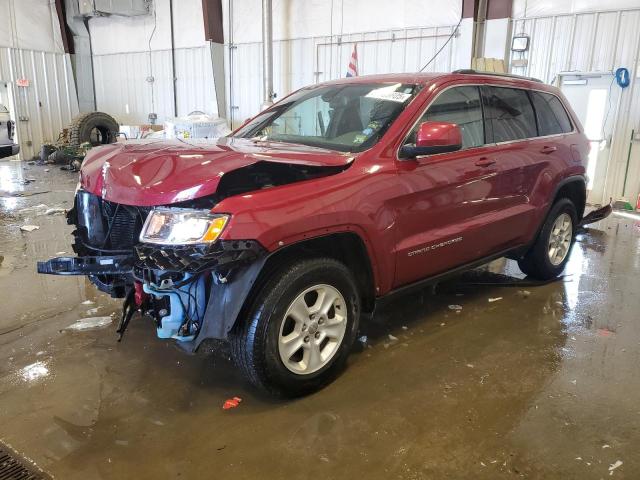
562	183
581	179
228	298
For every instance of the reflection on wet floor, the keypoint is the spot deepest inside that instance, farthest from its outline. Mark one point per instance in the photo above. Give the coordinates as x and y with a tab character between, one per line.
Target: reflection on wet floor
541	382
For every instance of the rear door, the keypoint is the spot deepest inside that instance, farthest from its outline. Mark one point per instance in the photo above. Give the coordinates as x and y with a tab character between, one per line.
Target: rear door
449	200
510	124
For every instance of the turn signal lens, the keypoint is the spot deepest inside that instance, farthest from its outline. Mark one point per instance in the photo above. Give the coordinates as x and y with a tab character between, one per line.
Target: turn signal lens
215	229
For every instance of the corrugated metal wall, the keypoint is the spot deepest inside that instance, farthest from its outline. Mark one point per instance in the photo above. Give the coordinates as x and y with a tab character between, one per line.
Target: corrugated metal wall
599	41
49	102
123	89
303	61
585	42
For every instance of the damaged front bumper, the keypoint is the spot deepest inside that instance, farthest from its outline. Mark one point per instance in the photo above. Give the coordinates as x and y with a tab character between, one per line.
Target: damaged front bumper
103	265
193	292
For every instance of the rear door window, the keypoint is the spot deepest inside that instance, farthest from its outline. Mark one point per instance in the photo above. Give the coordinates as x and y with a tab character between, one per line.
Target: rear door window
550	113
508	114
459	105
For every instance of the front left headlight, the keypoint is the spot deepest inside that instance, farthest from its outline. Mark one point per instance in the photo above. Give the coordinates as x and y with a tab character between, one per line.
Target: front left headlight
181	226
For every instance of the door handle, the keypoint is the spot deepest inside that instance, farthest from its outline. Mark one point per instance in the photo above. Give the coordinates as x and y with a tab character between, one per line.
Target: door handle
547	149
484	162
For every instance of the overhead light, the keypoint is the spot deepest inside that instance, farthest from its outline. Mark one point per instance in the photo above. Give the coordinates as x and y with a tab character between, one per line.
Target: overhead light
520	43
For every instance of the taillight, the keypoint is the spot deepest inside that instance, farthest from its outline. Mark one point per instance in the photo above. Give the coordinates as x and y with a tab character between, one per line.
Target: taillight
10	129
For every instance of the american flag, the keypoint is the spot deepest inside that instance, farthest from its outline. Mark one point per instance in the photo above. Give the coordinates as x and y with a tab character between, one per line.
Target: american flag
352	71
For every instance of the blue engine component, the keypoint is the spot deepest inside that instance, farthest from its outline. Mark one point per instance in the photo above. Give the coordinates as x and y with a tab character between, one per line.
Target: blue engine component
191	297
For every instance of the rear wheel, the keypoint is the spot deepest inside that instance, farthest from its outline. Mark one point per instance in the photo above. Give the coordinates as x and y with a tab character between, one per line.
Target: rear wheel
297	335
550	253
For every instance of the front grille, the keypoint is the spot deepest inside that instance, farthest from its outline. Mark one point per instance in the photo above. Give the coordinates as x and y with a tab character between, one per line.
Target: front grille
11	468
124	224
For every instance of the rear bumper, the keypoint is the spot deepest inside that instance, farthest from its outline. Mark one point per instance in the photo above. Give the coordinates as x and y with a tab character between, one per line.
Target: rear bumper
9	150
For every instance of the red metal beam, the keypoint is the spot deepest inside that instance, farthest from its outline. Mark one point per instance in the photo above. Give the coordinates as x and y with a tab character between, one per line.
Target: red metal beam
65	31
212	14
469	8
499	9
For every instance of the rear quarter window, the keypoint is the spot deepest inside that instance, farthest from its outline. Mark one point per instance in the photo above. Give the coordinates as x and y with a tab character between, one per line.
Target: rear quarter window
551	115
508	114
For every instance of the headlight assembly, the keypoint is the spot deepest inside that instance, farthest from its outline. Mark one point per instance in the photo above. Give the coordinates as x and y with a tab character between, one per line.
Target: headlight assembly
173	226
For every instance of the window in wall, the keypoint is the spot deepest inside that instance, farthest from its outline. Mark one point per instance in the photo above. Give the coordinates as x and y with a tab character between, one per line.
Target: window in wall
508	114
459	105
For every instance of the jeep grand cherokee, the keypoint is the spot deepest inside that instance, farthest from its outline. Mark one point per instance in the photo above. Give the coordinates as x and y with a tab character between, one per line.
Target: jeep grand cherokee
279	237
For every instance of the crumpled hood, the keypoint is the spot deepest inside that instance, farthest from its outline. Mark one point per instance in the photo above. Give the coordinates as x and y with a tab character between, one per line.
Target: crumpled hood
162	172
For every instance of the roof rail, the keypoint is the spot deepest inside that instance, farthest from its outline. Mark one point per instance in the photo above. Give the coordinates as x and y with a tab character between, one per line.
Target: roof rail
508	75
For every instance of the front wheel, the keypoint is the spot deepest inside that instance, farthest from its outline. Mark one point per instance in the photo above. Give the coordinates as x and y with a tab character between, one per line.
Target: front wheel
298	333
550	253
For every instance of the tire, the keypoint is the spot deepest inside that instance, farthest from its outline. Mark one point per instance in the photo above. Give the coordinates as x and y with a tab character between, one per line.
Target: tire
96	128
256	338
537	262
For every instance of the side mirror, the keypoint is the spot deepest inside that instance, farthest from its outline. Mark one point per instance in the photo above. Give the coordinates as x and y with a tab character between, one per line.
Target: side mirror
432	138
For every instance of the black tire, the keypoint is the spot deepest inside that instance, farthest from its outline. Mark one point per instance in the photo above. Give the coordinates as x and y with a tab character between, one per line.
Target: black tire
536	262
254	338
96	128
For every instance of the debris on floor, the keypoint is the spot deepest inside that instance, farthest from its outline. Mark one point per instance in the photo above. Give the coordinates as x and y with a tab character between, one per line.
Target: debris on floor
613	466
55	211
524	293
491	300
597	215
33	209
605	332
29	228
231	403
392	338
42	209
89	323
22	194
455	308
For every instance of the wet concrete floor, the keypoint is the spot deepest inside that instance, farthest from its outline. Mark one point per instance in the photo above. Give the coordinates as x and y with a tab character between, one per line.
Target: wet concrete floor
542	383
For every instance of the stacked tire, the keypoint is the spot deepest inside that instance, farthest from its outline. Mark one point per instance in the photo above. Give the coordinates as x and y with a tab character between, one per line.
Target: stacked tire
84	128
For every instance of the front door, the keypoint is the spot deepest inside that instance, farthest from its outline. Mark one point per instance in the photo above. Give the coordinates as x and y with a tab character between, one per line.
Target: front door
448	198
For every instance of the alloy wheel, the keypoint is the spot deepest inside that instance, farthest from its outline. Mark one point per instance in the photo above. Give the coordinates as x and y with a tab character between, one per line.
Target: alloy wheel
312	329
560	239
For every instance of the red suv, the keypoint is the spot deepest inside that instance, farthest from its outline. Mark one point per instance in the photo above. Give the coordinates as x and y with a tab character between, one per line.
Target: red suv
279	237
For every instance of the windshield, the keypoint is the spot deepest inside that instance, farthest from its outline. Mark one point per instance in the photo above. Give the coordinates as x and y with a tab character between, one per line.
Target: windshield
347	118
